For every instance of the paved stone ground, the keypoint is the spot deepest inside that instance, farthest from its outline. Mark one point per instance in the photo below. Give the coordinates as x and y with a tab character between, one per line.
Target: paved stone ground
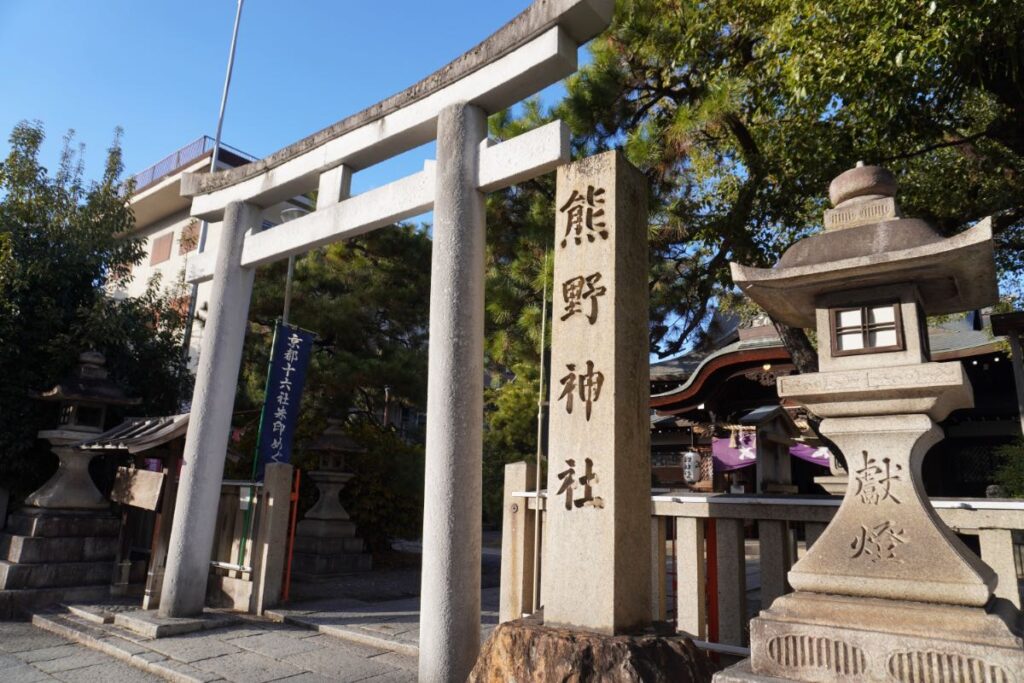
249	651
393	624
370	635
395	575
31	655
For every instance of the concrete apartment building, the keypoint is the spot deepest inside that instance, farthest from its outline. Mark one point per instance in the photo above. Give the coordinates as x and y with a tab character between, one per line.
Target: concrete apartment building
171	235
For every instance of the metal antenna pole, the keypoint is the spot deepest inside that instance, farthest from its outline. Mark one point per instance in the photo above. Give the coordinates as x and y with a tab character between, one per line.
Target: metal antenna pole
289	214
540	435
288	290
187	340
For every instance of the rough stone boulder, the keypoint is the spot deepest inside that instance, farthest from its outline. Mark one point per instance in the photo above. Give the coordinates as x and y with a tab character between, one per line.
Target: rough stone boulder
525	651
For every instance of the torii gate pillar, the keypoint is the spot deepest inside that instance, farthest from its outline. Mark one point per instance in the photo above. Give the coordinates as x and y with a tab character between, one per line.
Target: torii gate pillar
450	596
534	50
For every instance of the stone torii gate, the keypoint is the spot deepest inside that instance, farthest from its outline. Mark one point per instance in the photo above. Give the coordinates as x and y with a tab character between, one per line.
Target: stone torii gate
534	50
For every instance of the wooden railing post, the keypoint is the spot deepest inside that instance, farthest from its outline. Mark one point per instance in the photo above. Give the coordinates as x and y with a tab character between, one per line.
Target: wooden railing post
517	543
997	552
691	591
732	582
774	540
659	591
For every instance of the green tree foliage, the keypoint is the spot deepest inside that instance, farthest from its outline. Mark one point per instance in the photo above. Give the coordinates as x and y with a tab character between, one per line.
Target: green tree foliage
60	253
1010	474
740	114
368	301
385	498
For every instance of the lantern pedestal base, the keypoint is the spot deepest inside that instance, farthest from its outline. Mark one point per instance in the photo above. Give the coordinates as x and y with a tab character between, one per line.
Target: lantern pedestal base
326	545
50	555
816	637
71	487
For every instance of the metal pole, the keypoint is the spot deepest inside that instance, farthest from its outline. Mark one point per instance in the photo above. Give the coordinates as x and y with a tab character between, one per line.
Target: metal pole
1018	371
288	290
540	449
187	340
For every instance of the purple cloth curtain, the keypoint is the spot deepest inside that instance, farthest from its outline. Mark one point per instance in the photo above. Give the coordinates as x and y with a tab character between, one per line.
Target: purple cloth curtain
818	456
728	457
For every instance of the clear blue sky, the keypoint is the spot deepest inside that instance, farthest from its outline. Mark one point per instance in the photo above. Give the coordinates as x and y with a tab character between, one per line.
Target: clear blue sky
156	68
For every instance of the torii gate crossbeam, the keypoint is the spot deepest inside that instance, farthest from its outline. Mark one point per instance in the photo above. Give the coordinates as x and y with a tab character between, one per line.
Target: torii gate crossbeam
532	51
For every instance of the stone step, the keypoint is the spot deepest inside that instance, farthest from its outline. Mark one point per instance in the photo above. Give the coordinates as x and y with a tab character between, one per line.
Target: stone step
307	563
328	546
73	524
117	643
16	604
54	574
22	549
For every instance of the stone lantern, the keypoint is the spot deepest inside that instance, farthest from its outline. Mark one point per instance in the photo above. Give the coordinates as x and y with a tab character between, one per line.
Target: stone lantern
62	544
326	544
84	397
888	592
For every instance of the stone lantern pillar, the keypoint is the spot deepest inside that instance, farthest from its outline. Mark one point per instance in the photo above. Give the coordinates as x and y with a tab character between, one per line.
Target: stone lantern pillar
84	398
62	544
888	592
326	544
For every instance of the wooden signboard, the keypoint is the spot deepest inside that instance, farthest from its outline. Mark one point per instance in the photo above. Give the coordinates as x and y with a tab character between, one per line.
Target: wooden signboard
137	488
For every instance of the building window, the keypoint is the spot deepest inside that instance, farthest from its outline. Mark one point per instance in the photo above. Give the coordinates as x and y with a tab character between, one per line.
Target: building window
867	329
161	249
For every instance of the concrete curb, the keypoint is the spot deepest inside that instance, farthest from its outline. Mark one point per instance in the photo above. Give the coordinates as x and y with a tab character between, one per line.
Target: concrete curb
84	633
350	634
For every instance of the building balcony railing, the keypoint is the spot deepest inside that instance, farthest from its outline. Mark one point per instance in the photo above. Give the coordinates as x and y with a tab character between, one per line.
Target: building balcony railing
717	557
184	156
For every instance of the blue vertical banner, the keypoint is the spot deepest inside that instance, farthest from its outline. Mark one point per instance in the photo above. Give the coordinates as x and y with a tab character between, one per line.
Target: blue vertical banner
289	360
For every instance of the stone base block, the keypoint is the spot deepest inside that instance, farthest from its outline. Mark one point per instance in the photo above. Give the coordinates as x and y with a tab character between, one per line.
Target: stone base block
47	556
27	549
828	638
37	522
152	625
527	651
230	592
306	564
100	611
325	528
328	546
742	673
17	604
55	574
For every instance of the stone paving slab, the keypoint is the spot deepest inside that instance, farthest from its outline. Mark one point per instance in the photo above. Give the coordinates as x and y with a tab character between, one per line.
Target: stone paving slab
192	647
152	625
108	672
31	655
251	650
277	645
249	667
342	667
391	625
101	613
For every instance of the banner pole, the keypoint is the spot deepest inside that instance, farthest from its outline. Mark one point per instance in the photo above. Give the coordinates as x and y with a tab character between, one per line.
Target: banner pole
535	601
256	453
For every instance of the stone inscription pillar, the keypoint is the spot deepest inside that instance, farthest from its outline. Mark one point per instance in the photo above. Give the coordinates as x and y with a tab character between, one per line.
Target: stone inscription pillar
213	400
450	596
597	567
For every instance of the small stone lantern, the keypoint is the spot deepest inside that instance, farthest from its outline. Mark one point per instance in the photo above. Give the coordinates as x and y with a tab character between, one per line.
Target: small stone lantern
888	592
84	397
325	540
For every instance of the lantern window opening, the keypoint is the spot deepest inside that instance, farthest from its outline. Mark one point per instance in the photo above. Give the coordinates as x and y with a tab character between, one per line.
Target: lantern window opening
871	328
